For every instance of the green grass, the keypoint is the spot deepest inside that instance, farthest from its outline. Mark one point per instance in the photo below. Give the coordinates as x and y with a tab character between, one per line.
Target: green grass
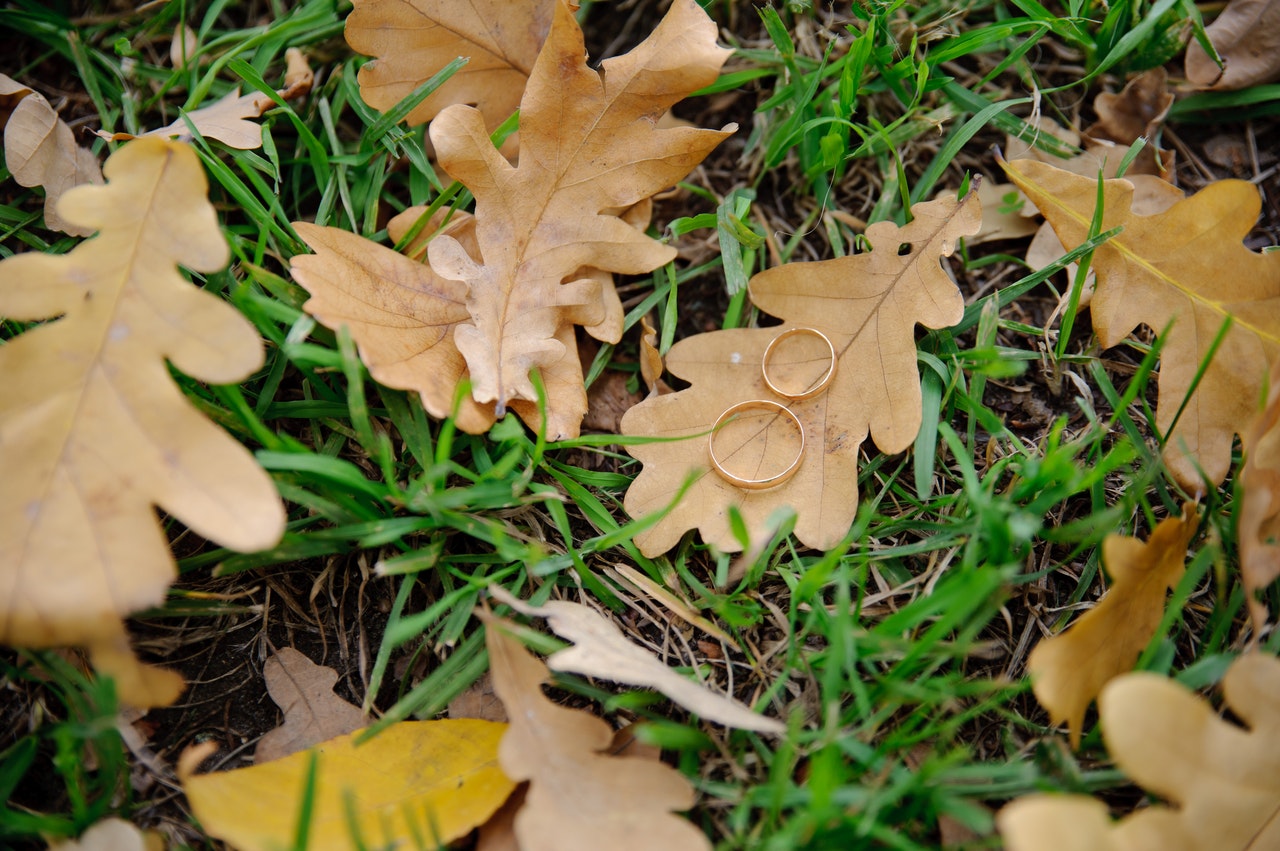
896	658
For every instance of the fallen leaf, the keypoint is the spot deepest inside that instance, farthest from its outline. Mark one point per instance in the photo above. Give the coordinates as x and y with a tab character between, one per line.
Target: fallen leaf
434	780
111	834
651	367
1069	670
1002	213
505	287
579	799
1247	37
589	146
1223	780
41	150
1187	266
867	305
479	701
183	46
1137	111
1258	523
601	650
93	430
411	40
313	713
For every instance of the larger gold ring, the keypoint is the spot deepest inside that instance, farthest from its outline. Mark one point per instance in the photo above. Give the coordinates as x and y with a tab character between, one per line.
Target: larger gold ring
769	481
813	390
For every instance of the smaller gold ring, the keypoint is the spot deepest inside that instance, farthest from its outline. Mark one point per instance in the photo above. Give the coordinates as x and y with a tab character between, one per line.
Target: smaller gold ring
822	382
768	481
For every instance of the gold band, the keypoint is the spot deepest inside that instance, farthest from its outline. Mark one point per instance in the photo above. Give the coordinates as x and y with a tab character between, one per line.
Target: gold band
815	389
769	481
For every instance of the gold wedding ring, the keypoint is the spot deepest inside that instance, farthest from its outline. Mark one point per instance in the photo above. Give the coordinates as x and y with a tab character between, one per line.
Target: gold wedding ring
768	481
813	389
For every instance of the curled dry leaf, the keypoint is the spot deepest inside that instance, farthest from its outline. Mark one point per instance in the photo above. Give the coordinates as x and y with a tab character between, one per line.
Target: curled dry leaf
411	40
1186	266
579	798
1222	780
414	780
505	288
868	306
601	650
94	432
1259	517
1069	670
41	150
313	713
1247	38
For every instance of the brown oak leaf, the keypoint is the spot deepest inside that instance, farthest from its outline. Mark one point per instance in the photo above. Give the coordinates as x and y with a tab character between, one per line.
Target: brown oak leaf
579	798
40	150
1186	266
1222	780
867	305
93	430
313	713
1247	37
1069	670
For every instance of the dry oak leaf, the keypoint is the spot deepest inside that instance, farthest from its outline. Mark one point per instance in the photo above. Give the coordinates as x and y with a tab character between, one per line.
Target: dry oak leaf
413	781
313	713
601	650
579	799
93	431
1186	266
1259	518
1247	38
1223	779
1070	669
41	150
411	40
112	834
589	148
868	306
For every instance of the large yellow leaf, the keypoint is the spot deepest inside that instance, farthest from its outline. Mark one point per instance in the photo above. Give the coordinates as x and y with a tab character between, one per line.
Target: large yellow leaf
1068	670
413	39
579	798
1187	266
93	431
868	306
1223	780
437	780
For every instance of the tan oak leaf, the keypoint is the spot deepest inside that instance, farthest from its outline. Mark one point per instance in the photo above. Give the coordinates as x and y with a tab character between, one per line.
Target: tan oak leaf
1258	520
1247	38
313	713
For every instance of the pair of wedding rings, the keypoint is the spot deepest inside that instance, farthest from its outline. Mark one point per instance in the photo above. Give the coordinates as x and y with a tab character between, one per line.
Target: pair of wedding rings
777	408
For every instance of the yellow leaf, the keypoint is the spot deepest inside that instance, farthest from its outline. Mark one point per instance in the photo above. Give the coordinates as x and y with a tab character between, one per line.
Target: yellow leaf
867	305
1185	266
580	799
1222	780
413	39
434	779
93	431
41	150
1258	521
1069	670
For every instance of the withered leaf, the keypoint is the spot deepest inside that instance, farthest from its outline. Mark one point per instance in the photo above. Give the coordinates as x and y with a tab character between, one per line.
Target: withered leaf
93	430
41	150
1186	266
1069	670
601	650
1247	37
1258	522
413	39
1222	780
579	798
313	713
867	305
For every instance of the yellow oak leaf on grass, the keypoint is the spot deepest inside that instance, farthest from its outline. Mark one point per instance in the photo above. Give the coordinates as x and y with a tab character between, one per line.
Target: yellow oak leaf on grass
545	233
1258	520
94	434
1222	780
1186	266
41	150
579	798
1069	670
413	39
413	782
867	305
